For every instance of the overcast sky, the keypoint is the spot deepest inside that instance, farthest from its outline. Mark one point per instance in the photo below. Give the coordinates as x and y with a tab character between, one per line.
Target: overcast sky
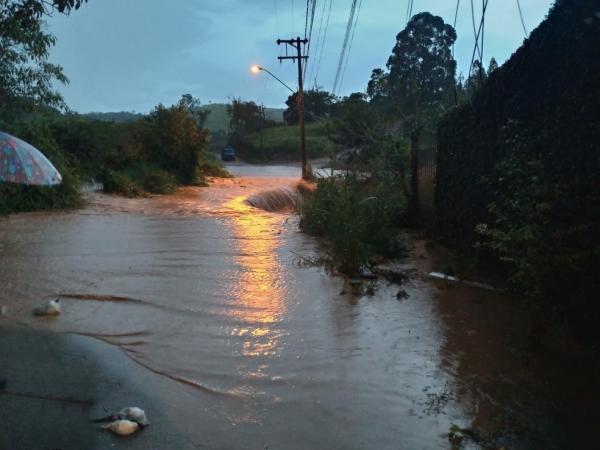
129	55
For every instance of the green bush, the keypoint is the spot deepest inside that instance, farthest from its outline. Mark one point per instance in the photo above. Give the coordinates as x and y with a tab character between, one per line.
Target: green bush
122	183
209	166
139	181
358	219
16	198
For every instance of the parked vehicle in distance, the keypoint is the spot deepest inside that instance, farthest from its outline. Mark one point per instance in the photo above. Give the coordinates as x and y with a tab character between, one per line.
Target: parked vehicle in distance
228	154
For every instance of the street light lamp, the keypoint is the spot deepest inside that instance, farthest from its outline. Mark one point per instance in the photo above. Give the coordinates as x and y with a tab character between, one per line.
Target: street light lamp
257	69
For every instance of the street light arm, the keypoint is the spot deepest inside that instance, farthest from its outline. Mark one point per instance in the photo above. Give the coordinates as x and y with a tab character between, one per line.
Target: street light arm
270	73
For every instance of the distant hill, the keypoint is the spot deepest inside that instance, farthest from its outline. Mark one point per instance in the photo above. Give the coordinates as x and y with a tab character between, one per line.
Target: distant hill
118	117
217	119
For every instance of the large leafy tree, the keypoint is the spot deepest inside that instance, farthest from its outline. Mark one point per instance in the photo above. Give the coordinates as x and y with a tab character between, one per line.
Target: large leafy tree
25	72
420	85
175	139
422	71
317	105
378	89
246	117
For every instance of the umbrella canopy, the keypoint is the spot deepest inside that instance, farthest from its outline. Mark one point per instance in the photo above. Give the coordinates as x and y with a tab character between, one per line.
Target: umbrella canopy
24	164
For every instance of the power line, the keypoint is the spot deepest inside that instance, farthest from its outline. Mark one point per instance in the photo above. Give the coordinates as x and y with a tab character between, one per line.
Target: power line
351	41
319	34
454	24
409	10
475	35
344	46
522	21
323	42
312	21
306	18
485	4
456	13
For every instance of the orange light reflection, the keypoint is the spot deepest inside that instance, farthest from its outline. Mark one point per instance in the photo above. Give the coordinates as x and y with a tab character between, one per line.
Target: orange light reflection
259	291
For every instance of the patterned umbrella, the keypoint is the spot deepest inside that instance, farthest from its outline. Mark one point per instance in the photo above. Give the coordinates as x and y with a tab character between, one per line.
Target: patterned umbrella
24	164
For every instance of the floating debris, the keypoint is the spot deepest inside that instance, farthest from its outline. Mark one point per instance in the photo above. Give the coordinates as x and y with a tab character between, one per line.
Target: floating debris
131	413
122	427
450	278
3	311
402	294
52	308
135	414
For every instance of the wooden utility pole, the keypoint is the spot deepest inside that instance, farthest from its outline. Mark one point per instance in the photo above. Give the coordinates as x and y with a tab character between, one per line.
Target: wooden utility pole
297	44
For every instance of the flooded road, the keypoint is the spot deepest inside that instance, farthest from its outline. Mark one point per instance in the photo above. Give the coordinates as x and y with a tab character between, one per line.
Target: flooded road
205	291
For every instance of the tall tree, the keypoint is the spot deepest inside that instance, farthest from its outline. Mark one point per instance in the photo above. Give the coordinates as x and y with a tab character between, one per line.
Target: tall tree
476	78
378	89
317	104
25	72
493	65
246	117
421	78
422	70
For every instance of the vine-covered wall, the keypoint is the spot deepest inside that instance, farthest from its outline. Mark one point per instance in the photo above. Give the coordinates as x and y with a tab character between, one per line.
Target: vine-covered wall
519	165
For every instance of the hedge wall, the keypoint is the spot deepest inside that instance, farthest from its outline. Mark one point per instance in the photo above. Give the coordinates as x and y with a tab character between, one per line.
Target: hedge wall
523	156
548	97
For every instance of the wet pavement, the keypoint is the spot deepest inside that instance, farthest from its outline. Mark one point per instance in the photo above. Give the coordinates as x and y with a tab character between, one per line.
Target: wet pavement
234	345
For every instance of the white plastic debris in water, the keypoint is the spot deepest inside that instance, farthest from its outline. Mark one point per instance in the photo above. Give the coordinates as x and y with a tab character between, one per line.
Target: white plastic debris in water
445	277
3	311
52	308
122	427
130	413
134	414
442	276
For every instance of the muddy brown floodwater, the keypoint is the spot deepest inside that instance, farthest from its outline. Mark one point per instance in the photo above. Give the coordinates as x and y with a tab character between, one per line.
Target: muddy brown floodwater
204	290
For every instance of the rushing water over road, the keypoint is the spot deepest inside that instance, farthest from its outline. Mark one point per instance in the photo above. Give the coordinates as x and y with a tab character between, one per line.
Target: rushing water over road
203	289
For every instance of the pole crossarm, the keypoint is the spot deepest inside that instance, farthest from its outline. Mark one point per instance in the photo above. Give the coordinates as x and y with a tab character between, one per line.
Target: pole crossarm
295	43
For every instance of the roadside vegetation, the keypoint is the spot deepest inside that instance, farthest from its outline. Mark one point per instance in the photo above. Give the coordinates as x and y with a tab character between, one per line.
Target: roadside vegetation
257	138
517	160
133	155
361	210
280	143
